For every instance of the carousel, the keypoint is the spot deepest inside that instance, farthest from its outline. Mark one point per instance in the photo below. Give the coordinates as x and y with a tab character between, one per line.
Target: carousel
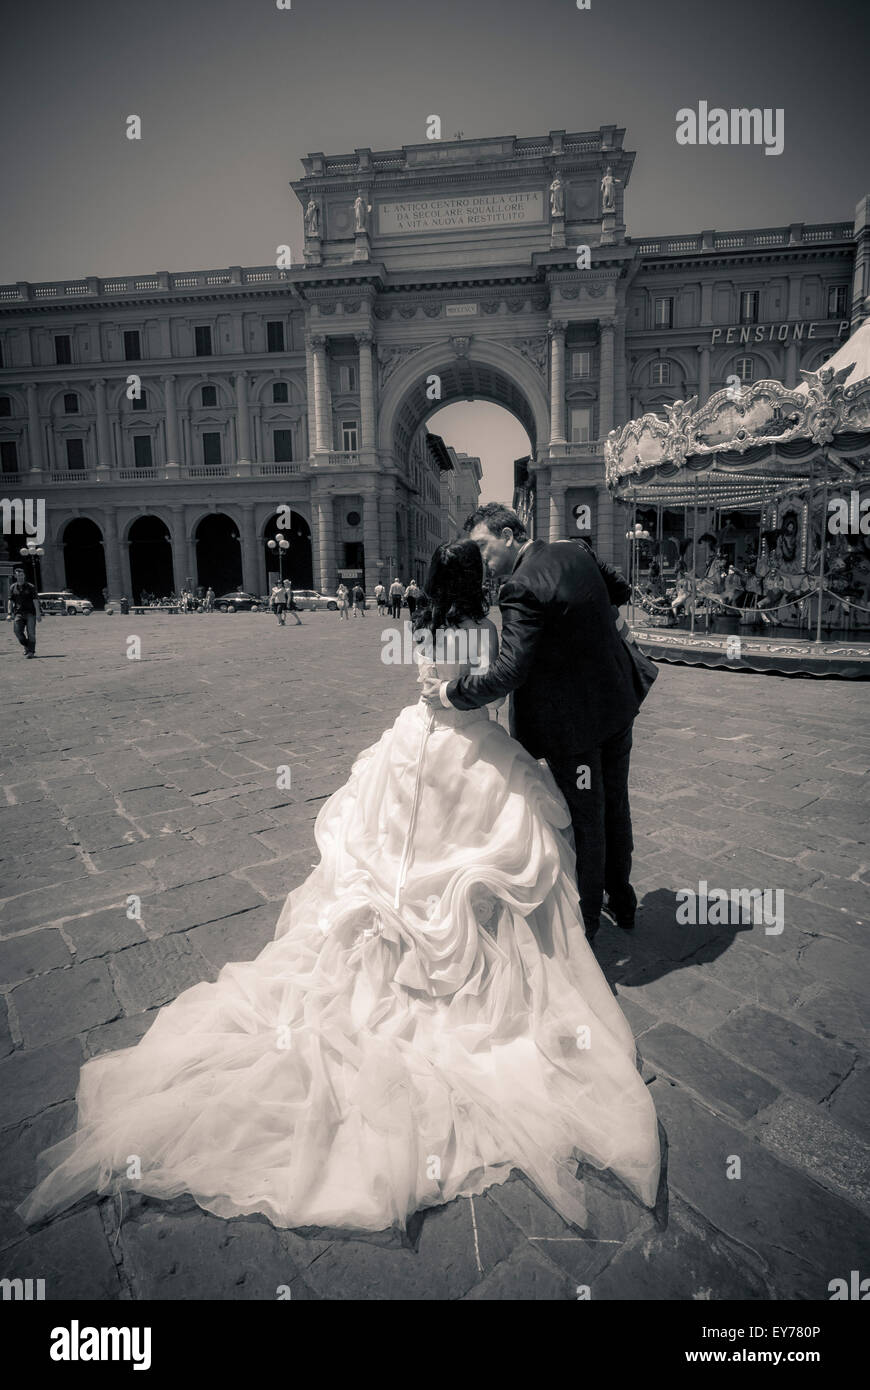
748	544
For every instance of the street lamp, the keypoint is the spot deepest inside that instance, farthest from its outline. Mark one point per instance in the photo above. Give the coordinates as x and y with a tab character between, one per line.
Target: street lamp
638	534
280	544
32	553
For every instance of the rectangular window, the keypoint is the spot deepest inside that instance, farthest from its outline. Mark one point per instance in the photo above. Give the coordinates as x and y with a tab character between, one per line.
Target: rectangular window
275	337
9	456
280	393
347	377
132	351
75	455
744	368
349	436
62	349
581	363
202	341
140	402
581	424
660	374
2	361
5	405
283	445
142	451
209	396
836	301
211	449
664	312
749	306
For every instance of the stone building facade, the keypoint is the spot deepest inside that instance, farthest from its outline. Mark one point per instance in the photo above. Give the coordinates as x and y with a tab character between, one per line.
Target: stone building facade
173	423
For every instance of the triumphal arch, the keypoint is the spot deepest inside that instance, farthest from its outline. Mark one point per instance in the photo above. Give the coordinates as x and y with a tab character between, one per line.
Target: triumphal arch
494	269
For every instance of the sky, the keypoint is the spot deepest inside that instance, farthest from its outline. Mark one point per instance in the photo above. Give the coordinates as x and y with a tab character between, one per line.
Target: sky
232	93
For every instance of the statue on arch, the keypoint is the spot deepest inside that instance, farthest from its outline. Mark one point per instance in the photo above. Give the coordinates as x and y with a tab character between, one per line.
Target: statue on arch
557	198
312	218
608	191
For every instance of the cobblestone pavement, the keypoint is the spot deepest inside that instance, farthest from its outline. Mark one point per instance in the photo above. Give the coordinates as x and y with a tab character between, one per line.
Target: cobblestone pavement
157	777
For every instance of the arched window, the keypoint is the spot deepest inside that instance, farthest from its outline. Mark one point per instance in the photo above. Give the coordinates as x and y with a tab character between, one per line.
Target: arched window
71	403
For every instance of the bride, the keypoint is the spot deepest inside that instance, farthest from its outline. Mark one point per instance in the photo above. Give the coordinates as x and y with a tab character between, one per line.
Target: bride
428	1017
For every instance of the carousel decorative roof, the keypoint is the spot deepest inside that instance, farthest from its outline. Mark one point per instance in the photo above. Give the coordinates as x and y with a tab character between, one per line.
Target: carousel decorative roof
749	442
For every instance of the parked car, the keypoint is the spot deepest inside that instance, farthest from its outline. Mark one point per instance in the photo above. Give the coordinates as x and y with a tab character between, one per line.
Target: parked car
311	600
238	602
65	601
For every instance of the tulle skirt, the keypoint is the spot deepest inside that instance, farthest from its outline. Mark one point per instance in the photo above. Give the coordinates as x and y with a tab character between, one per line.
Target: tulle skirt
428	1017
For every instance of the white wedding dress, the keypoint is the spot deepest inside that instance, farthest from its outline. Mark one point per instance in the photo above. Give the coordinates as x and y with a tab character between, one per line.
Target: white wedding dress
428	1017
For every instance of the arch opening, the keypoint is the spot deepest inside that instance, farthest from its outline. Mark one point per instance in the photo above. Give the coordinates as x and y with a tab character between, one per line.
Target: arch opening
218	553
84	560
297	564
150	557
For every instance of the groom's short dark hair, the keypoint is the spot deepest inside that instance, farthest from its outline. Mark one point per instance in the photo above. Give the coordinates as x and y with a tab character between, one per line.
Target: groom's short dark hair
496	516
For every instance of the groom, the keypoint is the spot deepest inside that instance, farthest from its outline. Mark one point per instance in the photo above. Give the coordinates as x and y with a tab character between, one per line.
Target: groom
571	679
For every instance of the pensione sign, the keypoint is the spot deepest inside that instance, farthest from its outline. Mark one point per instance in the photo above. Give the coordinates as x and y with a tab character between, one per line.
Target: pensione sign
770	332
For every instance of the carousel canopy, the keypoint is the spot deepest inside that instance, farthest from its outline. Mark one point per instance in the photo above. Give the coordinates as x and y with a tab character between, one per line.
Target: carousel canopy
747	443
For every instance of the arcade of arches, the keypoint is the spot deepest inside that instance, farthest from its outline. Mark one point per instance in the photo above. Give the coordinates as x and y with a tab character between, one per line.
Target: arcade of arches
156	559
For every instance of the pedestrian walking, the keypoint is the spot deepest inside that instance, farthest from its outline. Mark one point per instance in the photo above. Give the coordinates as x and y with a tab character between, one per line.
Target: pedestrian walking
24	610
413	595
397	593
381	599
278	602
342	595
291	606
359	601
208	602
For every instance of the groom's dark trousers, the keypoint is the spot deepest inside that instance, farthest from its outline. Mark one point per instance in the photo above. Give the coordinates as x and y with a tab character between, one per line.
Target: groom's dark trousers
601	820
573	702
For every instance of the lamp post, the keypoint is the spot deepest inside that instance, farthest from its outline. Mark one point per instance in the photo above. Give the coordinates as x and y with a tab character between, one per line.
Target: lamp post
32	553
638	534
279	545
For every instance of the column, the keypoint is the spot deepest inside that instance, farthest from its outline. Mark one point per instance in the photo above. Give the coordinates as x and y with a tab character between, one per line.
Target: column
179	547
322	399
114	581
605	380
703	375
34	432
327	579
557	511
366	391
104	439
251	558
619	375
173	452
557	382
389	540
243	419
309	397
371	543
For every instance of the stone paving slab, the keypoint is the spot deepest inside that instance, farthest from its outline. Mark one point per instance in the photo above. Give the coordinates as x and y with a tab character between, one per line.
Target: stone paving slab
161	782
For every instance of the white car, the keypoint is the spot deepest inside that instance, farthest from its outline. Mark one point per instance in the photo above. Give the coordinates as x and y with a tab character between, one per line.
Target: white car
311	600
65	601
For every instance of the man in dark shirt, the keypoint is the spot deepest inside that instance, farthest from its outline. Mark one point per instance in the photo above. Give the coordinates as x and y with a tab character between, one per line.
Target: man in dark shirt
24	610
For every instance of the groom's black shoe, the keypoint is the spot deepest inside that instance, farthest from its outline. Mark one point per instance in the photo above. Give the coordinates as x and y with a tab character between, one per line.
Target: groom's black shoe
624	923
591	931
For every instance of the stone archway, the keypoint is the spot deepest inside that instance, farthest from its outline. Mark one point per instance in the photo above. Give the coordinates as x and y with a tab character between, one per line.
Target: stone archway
84	560
218	553
470	368
150	557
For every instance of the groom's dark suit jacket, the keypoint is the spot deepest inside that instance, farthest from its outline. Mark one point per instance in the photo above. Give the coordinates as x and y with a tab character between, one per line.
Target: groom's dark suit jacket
561	656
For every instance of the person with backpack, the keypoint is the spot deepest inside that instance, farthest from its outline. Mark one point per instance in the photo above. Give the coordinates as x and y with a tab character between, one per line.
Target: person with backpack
359	601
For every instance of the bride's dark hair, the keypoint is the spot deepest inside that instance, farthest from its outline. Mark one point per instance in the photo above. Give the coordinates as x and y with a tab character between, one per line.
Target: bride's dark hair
454	587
